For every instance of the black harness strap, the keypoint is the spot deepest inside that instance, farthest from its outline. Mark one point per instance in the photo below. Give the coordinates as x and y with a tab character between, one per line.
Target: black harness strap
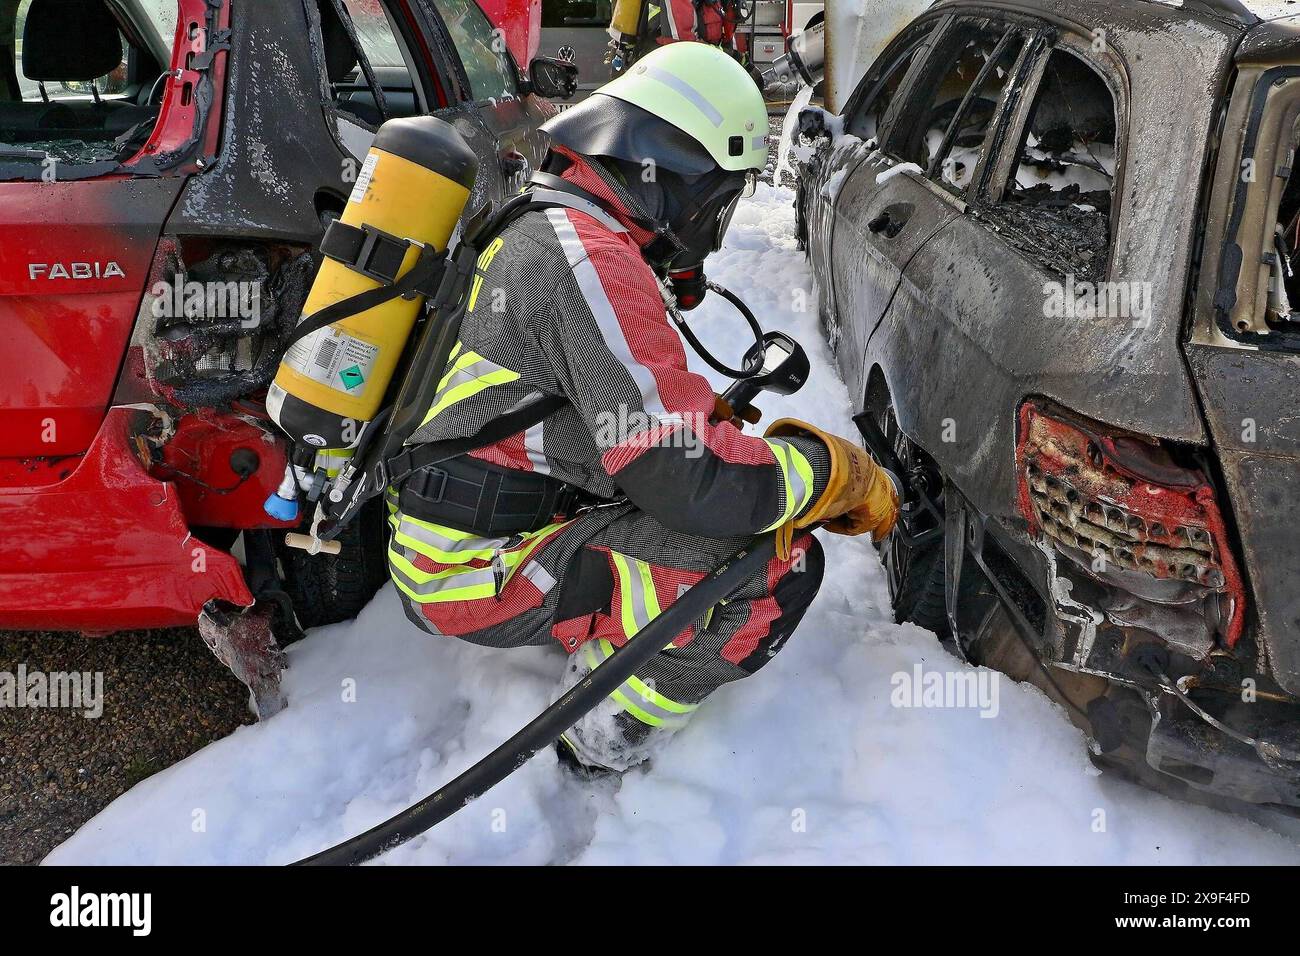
411	459
365	249
423	279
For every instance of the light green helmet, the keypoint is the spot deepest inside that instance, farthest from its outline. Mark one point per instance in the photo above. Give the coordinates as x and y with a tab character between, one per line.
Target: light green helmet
704	93
687	106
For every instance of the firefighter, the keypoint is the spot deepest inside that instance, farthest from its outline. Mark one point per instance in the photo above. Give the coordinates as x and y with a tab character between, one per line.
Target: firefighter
579	528
703	21
677	21
706	21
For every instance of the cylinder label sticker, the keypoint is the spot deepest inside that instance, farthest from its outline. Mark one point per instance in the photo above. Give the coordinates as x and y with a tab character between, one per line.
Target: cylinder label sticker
335	359
363	178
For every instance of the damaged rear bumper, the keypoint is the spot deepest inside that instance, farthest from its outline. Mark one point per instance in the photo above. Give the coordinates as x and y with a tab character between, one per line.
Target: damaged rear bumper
107	546
1127	594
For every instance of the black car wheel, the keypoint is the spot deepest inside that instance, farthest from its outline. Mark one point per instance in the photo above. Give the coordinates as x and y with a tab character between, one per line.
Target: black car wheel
325	588
915	571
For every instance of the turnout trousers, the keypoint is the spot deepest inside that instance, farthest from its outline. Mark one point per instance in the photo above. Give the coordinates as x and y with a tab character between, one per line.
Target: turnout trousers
589	583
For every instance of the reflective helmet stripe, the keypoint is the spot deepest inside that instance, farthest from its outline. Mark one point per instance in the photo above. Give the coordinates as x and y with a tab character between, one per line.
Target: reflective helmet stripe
693	95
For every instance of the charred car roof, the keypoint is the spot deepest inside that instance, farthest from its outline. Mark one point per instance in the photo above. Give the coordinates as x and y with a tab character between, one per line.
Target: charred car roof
1272	26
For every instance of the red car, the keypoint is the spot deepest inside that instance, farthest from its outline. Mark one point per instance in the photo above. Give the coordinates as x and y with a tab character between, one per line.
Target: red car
166	170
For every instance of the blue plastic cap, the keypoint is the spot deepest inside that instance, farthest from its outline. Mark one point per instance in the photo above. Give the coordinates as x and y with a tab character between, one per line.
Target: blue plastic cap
281	509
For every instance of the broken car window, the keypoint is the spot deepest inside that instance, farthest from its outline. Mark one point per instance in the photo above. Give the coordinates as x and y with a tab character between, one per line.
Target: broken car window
869	117
955	102
351	87
93	99
482	49
1057	204
375	33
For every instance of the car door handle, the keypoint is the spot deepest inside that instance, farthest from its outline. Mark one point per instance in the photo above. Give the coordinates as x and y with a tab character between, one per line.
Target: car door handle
887	224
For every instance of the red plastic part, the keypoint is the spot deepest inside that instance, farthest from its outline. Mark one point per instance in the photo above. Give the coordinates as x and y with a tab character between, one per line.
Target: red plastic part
65	337
108	548
180	104
198	461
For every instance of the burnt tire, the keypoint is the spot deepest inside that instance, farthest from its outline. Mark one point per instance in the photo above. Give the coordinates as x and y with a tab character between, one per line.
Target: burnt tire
326	588
915	573
919	596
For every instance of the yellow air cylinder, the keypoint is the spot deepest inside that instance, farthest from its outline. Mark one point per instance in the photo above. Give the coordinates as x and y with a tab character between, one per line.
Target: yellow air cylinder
626	21
414	184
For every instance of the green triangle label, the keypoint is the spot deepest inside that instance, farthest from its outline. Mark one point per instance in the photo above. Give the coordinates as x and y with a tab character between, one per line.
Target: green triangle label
352	377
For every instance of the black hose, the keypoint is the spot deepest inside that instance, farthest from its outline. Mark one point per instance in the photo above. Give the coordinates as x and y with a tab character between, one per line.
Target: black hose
547	727
754	362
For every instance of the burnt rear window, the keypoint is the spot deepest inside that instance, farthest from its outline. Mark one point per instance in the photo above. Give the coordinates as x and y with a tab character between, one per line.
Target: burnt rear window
75	87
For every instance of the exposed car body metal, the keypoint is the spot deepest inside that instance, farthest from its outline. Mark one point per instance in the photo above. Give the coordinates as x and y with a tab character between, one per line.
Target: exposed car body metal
1164	443
1250	383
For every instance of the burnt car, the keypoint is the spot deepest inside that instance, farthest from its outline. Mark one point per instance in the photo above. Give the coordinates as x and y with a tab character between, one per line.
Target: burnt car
167	168
1055	250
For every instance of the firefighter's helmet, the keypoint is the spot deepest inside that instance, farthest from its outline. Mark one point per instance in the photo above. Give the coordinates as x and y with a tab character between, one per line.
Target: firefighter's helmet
688	107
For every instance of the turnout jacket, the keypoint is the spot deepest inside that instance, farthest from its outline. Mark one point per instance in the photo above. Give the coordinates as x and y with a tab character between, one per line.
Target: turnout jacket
564	305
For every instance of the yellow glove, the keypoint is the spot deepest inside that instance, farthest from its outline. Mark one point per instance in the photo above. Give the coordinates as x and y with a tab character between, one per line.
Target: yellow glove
859	497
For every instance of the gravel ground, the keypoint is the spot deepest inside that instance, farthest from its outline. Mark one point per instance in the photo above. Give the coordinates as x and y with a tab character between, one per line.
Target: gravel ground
164	697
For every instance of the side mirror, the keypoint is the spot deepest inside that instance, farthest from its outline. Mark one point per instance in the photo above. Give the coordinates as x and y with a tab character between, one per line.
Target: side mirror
552	78
812	124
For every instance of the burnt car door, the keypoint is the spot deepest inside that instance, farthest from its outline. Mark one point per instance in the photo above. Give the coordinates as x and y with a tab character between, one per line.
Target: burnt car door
975	317
373	57
867	218
394	58
492	97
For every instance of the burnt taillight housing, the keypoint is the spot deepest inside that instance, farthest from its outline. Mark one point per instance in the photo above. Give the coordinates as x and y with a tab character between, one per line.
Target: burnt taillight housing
1122	499
213	319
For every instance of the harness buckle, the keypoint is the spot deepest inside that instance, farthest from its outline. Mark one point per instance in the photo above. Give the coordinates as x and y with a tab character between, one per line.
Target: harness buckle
380	476
372	252
438	476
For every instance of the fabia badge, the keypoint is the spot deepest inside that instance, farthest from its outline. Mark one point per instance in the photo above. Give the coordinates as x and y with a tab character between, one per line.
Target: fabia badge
74	270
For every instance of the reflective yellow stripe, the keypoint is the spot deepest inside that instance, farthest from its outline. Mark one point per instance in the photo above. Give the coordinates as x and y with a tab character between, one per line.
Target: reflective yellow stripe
413	538
637	697
484	260
443	544
797	473
461	583
468	375
639	604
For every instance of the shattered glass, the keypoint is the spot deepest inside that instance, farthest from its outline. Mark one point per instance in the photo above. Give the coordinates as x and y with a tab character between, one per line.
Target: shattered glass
1058	201
62	150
